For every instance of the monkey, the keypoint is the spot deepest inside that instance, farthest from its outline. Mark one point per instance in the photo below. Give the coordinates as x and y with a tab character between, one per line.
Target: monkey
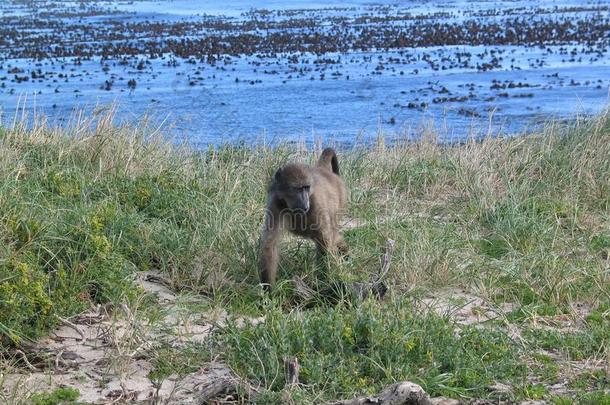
308	201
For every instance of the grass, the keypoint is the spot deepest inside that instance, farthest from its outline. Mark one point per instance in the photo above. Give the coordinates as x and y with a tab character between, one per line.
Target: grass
368	346
523	222
59	396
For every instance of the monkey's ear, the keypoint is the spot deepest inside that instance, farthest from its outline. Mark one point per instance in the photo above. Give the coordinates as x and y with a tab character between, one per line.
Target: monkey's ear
278	174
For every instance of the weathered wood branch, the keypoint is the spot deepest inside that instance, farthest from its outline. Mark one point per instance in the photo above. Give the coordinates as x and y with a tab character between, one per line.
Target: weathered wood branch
386	261
302	290
402	393
220	380
376	287
291	365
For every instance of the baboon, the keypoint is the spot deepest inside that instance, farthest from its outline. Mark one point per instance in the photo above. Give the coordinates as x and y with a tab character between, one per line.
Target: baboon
307	201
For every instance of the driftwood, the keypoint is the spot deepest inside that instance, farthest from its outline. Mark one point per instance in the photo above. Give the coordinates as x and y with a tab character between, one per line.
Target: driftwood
376	287
387	259
291	366
403	393
71	325
221	380
302	290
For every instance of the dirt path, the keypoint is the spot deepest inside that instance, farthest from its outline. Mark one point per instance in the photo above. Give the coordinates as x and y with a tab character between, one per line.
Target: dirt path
107	354
103	354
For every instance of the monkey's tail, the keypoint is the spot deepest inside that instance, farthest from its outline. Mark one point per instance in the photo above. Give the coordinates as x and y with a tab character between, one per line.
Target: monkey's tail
328	159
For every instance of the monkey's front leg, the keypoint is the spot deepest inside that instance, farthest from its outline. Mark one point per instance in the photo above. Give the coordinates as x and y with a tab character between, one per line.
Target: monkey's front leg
269	256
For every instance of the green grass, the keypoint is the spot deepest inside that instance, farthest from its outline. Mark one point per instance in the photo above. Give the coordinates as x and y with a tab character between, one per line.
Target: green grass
59	396
358	350
520	220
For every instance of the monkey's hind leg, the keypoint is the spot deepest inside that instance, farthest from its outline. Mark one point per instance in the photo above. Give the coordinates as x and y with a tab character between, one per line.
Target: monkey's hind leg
327	253
342	246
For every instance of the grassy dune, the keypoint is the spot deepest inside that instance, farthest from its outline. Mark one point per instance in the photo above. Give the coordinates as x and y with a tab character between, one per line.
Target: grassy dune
522	224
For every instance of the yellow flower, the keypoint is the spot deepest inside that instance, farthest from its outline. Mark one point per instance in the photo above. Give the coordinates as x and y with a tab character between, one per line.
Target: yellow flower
409	345
101	244
348	335
22	268
96	223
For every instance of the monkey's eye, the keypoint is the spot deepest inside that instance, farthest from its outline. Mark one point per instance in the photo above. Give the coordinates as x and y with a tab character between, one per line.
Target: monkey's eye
304	188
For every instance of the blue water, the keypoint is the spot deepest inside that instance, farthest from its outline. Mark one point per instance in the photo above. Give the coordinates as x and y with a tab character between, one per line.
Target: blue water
265	99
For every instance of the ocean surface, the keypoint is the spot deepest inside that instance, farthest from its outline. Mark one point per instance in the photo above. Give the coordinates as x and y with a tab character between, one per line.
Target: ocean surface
341	72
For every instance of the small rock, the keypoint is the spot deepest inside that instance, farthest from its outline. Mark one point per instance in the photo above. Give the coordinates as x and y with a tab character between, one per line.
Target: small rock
404	392
499	388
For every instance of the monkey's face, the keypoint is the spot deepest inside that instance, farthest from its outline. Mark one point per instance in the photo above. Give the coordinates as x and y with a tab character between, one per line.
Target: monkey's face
294	187
297	199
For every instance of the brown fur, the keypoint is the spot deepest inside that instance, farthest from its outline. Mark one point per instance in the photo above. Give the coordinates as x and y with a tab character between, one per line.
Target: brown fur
307	201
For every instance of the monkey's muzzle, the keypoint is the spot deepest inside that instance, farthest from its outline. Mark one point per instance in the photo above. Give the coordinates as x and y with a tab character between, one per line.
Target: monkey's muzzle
301	208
